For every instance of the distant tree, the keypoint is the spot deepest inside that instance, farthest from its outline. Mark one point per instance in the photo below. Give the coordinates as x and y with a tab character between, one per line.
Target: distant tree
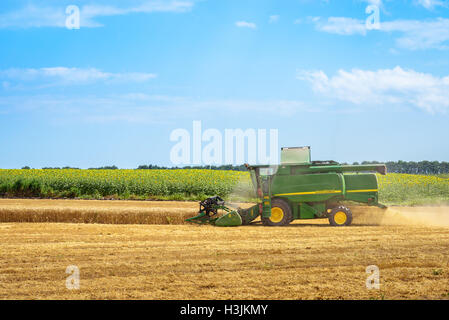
370	162
26	168
105	168
221	167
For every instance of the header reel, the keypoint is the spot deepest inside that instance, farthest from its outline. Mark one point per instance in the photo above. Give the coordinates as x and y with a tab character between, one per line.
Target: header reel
214	211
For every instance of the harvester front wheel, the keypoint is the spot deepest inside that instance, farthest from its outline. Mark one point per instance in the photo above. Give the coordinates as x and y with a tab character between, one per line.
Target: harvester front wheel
281	214
340	216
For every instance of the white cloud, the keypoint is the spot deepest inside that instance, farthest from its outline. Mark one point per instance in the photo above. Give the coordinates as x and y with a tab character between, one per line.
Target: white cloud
341	26
414	34
32	16
378	3
274	18
244	24
138	107
144	7
63	75
35	16
383	87
431	4
420	34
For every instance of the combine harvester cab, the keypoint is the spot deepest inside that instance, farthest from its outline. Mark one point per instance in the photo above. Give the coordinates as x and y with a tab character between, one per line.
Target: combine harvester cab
299	188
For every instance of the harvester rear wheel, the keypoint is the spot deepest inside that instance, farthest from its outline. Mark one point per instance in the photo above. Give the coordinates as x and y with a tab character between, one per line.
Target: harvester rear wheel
281	214
340	216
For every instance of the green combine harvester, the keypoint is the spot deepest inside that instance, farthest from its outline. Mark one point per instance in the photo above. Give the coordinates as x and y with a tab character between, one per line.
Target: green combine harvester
298	188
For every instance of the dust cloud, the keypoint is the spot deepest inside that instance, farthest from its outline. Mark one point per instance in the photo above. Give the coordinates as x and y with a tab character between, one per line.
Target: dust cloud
418	216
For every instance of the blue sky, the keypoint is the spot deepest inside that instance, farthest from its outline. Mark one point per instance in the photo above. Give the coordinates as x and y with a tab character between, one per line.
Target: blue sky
112	91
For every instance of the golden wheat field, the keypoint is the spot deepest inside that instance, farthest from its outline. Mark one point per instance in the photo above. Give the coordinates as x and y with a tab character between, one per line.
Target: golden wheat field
306	260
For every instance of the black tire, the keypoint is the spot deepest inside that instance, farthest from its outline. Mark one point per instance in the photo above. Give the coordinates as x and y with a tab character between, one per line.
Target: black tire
287	214
336	217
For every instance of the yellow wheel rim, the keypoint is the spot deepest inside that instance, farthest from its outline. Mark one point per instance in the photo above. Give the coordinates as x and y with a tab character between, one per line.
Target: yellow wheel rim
340	217
277	214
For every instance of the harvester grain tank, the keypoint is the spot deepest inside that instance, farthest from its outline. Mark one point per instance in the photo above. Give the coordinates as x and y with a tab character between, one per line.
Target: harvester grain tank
299	188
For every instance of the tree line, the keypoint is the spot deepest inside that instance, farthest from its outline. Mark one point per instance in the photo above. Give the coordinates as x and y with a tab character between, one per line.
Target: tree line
410	167
420	167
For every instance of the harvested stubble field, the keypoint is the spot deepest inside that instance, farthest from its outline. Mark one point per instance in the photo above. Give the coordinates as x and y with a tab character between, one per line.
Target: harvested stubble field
96	211
306	260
